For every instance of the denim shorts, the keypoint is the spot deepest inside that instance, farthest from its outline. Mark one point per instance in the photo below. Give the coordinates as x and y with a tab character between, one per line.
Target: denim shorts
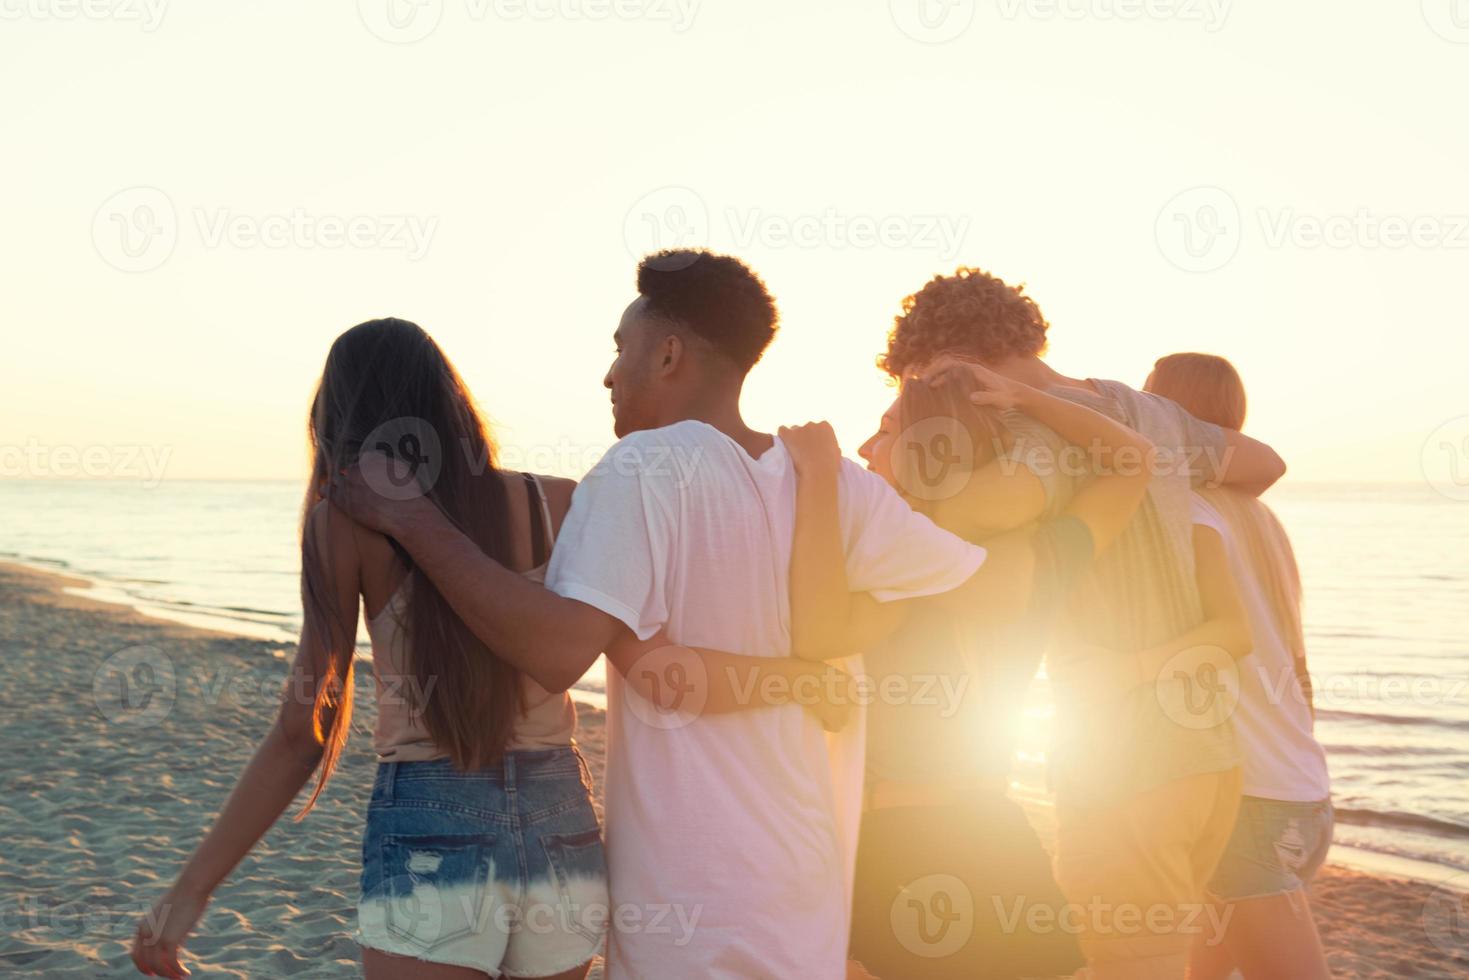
500	869
1276	848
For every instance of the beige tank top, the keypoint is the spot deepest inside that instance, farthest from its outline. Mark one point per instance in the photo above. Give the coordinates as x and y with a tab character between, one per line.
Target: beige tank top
548	721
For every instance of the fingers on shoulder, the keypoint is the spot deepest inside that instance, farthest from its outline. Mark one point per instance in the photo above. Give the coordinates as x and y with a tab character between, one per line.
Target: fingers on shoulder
330	526
559	491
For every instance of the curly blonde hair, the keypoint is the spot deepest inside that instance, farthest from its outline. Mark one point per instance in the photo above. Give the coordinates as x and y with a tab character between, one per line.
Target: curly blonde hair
970	313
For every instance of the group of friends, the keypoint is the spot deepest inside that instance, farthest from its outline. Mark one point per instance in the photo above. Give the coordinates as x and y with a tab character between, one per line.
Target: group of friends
786	795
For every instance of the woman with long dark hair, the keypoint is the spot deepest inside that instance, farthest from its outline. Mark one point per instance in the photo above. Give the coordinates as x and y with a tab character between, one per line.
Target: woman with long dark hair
482	853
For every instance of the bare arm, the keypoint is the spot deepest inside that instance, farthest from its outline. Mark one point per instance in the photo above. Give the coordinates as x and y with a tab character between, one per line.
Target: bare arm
550	638
279	769
1248	465
828	620
998	497
1002	586
1225	627
1225	623
694	681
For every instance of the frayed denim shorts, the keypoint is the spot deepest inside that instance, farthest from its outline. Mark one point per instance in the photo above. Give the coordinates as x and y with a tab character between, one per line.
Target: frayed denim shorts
501	870
1276	848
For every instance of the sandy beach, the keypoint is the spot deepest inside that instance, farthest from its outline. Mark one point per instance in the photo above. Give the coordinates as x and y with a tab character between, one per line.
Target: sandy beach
122	734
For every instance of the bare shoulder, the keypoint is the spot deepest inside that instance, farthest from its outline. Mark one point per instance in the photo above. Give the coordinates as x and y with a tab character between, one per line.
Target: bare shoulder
558	490
331	526
558	495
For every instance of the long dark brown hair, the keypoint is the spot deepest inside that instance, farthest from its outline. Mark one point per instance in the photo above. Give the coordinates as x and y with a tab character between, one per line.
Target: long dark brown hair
383	380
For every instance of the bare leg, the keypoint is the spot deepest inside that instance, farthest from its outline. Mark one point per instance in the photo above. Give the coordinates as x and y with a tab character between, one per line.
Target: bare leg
377	965
1212	958
1271	938
575	973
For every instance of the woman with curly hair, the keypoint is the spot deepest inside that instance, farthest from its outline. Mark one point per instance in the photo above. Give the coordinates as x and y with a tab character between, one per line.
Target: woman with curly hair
1285	821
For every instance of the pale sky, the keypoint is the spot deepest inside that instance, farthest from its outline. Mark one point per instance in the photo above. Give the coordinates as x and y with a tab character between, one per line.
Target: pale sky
501	173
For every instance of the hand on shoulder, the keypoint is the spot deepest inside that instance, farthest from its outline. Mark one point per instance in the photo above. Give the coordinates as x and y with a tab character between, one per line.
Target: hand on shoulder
812	447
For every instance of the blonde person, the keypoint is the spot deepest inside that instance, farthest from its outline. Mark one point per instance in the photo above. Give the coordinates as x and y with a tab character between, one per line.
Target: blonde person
1285	822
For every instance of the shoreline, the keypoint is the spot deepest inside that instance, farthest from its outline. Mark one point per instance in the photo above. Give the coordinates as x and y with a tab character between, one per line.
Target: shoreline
92	589
97	831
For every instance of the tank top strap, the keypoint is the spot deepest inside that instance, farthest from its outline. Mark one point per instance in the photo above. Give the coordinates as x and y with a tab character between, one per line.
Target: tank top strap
540	524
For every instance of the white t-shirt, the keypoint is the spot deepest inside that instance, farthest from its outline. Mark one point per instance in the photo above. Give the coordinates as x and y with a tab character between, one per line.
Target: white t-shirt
731	839
1281	758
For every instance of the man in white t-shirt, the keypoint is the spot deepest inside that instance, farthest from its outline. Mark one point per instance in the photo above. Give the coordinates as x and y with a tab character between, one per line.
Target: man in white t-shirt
730	841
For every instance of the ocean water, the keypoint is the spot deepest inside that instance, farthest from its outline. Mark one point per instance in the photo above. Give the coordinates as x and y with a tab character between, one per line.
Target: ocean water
1386	572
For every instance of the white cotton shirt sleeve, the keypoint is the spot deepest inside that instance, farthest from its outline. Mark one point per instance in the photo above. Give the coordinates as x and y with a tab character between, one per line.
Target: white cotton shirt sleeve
614	546
1205	515
894	552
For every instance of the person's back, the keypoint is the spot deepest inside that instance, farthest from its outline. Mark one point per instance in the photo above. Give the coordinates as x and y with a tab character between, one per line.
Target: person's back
726	832
723	824
1281	758
1140	593
1146	782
